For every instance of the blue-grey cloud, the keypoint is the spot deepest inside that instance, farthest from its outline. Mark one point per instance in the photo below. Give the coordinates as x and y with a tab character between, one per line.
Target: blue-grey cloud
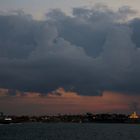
89	52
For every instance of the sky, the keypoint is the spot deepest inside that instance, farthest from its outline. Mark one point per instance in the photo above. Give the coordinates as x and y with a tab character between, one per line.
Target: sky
38	7
69	56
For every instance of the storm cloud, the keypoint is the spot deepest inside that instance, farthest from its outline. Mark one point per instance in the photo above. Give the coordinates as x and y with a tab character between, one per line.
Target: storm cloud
90	51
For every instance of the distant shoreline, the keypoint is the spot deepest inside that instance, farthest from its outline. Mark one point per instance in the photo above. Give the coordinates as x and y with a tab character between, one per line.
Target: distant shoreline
85	118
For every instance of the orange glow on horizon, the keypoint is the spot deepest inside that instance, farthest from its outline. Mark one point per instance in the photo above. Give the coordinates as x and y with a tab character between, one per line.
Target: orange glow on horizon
61	101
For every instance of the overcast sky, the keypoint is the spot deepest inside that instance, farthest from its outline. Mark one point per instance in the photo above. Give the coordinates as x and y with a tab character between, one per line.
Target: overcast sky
38	7
92	52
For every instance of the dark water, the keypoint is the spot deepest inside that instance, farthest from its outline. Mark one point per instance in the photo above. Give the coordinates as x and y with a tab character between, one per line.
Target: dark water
61	131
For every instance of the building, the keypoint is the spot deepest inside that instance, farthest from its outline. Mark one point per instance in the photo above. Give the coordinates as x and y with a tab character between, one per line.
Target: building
134	116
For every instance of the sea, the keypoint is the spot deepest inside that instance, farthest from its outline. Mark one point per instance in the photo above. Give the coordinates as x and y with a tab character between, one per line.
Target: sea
69	131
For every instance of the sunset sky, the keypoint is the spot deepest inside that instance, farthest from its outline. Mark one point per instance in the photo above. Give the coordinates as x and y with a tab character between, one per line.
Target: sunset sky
69	56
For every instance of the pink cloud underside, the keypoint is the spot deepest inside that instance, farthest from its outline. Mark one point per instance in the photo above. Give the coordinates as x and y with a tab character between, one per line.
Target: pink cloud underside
61	101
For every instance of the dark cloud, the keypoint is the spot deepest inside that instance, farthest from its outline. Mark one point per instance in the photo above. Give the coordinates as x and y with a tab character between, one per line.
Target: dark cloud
135	25
89	52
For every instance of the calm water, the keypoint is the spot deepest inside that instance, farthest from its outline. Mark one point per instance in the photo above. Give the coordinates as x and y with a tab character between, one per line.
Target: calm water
62	131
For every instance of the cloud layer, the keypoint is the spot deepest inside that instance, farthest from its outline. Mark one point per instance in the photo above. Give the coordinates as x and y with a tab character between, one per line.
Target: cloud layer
65	102
91	51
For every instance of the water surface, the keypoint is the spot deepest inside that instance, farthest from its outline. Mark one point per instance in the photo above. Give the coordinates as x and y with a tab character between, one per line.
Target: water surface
64	131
